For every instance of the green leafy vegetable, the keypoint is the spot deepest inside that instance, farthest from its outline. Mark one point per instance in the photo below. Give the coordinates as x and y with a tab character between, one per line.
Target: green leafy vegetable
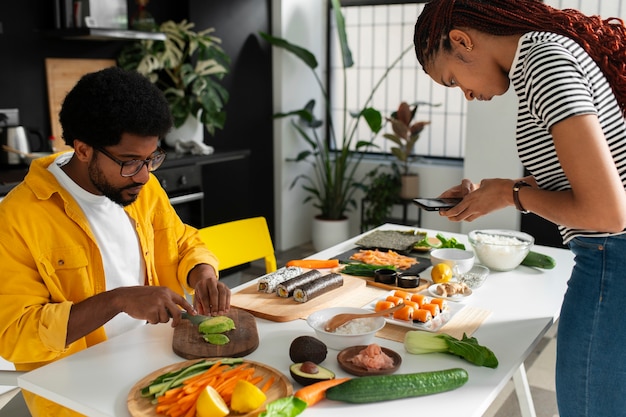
284	407
419	342
445	243
363	270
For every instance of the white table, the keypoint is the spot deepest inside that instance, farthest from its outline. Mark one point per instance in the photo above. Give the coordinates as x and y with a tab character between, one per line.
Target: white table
524	304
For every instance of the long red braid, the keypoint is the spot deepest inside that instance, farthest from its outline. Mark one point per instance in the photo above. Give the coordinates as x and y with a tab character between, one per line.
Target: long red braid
604	40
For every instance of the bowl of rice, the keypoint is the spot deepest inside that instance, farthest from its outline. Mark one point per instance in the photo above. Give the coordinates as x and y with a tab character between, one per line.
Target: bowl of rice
353	333
500	250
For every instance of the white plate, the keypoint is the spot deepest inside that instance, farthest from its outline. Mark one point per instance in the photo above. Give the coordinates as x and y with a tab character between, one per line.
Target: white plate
455	297
432	326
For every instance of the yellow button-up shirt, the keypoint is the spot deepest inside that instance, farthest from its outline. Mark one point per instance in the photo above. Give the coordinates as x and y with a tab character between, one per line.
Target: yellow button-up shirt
50	260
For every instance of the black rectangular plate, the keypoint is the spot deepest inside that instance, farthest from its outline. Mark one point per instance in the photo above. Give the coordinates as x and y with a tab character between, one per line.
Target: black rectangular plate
424	261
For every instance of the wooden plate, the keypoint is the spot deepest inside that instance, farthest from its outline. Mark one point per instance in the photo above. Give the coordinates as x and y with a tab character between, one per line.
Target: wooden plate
345	355
139	406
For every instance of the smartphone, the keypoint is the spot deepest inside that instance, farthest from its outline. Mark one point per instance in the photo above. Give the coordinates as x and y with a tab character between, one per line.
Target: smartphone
436	204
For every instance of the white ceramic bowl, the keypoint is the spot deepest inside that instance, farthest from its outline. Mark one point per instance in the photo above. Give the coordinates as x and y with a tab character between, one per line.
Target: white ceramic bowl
318	319
500	250
462	259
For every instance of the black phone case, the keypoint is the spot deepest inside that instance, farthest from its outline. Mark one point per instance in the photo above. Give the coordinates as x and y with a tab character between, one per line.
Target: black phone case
436	204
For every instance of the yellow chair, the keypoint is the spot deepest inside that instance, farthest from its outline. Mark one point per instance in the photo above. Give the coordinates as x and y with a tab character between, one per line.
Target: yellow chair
239	242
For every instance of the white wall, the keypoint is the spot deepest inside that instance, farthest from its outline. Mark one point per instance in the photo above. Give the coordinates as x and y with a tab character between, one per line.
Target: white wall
490	146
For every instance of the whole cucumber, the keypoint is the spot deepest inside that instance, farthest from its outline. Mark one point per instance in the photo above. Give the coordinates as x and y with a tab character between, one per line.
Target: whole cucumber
539	260
376	388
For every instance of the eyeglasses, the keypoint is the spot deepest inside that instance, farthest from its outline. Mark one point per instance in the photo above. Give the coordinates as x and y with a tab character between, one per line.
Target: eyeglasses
132	167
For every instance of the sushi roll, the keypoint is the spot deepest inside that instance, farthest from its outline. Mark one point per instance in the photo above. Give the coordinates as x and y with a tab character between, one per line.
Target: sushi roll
412	304
286	288
422	316
443	304
405	313
317	287
420	299
433	308
395	300
268	283
383	305
402	294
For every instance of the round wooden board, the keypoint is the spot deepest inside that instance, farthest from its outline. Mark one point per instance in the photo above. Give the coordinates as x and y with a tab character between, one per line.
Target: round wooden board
139	406
345	355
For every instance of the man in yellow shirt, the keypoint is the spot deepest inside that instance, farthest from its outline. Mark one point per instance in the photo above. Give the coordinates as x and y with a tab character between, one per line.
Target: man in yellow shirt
89	243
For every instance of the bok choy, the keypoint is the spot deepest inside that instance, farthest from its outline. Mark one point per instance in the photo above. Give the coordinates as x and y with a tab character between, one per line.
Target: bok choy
419	342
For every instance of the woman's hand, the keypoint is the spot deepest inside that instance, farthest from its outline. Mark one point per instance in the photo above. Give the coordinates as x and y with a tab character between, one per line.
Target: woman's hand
478	200
461	190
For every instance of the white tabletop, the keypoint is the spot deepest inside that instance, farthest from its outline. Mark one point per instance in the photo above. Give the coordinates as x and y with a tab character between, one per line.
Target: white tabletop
524	304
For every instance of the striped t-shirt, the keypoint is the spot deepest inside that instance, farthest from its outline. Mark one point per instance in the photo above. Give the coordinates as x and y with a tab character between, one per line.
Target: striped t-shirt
554	79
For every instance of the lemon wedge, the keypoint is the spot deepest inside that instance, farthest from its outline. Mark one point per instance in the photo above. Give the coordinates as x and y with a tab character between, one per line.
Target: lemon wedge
441	273
246	397
211	404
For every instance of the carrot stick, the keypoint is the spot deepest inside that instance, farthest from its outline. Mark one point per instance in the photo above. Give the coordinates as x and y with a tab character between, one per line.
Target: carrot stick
314	263
314	393
268	384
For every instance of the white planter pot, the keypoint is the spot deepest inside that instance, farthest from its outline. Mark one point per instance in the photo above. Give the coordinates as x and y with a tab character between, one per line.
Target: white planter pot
192	129
327	233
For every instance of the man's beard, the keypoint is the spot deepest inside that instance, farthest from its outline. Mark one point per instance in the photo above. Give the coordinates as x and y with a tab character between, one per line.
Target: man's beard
112	193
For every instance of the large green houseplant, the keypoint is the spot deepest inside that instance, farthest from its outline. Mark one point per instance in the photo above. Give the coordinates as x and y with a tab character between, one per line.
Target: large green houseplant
187	67
332	185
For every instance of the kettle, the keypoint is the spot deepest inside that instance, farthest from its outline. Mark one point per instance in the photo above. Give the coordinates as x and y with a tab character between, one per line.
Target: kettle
15	137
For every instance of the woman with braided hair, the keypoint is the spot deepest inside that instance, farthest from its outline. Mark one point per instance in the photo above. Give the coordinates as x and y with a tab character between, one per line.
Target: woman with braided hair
569	73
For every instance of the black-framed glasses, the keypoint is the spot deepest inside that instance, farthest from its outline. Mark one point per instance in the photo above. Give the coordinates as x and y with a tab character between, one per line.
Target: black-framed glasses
132	167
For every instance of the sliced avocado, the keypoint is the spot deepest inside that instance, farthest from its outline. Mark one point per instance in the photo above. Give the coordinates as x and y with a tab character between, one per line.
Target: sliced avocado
217	324
307	373
307	348
216	338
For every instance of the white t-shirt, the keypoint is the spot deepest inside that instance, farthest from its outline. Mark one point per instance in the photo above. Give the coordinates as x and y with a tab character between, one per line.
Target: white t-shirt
116	238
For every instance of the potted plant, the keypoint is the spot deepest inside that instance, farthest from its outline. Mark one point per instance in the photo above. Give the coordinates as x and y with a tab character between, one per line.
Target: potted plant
405	135
332	184
187	67
383	189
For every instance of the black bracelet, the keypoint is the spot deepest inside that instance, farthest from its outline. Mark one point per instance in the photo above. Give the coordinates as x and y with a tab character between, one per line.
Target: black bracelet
516	187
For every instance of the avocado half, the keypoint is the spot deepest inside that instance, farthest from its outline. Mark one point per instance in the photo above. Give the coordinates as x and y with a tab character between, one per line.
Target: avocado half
307	373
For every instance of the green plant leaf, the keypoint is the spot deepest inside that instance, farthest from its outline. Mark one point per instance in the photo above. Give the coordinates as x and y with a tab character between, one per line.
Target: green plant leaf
346	54
373	118
307	57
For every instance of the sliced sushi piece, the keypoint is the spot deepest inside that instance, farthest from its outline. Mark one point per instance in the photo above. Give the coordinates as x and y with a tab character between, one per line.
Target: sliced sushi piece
422	315
317	287
402	294
405	313
443	304
412	304
420	299
395	300
286	288
383	305
433	308
268	282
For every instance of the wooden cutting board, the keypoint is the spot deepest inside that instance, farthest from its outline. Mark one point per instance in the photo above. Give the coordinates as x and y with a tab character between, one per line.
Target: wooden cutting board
244	339
275	308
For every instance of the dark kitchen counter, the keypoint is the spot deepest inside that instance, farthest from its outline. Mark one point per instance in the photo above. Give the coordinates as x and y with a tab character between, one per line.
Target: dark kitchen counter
11	176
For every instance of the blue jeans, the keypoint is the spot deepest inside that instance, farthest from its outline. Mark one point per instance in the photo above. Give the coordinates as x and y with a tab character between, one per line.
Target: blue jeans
591	338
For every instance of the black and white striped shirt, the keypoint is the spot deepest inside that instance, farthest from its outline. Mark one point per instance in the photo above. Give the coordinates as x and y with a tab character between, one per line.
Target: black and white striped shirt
554	79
